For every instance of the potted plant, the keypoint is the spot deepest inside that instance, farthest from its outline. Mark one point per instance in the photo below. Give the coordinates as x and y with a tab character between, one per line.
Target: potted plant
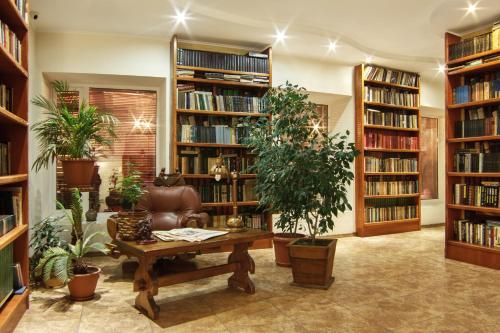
69	266
131	191
276	142
71	133
45	234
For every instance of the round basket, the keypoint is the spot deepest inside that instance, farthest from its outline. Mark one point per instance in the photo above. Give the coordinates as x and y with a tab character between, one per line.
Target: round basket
127	224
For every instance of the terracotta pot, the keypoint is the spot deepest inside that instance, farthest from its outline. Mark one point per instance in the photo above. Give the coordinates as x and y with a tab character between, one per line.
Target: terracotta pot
280	241
78	172
312	265
82	286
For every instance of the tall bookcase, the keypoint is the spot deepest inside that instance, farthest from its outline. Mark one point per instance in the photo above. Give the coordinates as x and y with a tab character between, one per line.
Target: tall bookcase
208	72
472	132
14	130
388	162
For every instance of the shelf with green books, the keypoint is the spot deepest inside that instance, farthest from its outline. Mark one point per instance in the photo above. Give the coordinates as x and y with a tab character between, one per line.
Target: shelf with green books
473	138
214	89
379	116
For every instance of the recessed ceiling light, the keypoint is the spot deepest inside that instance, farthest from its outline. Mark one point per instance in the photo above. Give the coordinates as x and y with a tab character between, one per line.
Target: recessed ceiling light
280	35
368	59
441	68
472	7
181	16
332	46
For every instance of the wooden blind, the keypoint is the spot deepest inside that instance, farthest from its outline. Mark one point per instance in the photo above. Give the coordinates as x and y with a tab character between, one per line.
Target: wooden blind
136	130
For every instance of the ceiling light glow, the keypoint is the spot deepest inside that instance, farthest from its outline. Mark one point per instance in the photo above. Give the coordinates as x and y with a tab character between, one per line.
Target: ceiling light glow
471	8
181	16
280	36
368	59
332	46
441	68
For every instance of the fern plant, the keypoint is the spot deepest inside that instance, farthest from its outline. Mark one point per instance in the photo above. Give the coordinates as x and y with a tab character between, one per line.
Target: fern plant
69	130
76	215
62	264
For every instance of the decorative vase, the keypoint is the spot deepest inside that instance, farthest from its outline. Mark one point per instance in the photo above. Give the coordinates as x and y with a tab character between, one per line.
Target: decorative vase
128	224
91	215
312	265
114	200
82	286
78	172
280	242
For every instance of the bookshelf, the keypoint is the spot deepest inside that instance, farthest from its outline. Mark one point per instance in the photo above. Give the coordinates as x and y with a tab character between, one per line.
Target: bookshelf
207	91
14	125
472	137
375	116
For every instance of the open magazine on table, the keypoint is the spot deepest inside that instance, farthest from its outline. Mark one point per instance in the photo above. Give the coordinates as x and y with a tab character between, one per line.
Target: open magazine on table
187	234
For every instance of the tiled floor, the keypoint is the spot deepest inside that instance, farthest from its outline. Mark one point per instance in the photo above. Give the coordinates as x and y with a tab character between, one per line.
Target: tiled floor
396	283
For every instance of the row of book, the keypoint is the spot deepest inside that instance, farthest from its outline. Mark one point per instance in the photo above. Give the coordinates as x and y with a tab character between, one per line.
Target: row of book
22	8
477	44
391	187
375	73
471	160
212	191
6	97
191	99
5	165
390	164
251	221
221	134
400	118
252	62
197	161
390	213
472	63
485	233
243	78
388	140
10	42
391	96
477	89
482	195
11	276
11	208
479	122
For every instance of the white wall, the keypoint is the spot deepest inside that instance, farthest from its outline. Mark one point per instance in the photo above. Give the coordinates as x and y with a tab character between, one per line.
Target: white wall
147	57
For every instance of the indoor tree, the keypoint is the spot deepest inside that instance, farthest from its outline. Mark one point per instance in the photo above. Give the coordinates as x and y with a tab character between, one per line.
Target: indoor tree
302	172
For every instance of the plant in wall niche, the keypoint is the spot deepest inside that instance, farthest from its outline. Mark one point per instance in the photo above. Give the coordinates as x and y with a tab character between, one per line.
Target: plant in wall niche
71	133
69	265
302	172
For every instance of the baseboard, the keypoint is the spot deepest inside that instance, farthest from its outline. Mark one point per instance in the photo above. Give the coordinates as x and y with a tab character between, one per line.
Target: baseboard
433	225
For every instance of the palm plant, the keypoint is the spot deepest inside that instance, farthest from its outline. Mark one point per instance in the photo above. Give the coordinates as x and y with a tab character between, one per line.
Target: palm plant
66	133
62	264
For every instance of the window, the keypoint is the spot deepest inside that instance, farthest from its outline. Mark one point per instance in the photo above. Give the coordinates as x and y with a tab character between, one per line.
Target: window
429	158
136	134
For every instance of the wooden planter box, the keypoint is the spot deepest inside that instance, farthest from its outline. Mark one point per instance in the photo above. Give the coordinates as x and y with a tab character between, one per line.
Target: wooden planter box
312	265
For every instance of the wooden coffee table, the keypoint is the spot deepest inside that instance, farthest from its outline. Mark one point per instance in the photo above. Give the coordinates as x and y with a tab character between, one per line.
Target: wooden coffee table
147	282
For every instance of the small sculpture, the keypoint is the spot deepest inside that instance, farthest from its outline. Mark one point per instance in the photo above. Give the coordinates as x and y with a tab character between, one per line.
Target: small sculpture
145	232
160	180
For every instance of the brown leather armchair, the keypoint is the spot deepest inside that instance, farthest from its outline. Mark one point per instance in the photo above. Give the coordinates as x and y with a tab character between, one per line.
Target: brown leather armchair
173	207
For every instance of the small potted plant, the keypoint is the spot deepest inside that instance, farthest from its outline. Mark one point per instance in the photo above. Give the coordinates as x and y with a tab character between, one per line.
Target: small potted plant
131	190
69	266
70	132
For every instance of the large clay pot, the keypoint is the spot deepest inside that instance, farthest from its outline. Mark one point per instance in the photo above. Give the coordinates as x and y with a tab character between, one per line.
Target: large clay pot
280	241
312	265
78	172
82	286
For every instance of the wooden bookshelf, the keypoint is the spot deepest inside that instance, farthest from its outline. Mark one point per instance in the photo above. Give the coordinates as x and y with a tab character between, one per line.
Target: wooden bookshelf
364	228
14	124
215	86
454	249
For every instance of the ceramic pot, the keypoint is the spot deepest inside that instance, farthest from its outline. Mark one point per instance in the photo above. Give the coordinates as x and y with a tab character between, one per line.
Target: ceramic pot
82	286
312	265
280	242
78	172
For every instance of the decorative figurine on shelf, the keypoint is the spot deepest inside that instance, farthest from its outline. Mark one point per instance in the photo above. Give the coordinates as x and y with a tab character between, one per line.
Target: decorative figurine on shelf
145	231
219	170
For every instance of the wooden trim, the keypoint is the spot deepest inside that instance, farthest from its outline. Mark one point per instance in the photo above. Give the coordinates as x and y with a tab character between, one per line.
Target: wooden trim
474	104
206	176
472	57
12	312
475	208
222	113
12	66
7	117
391	106
473	254
474	174
492	65
217	70
475	138
229	204
388	150
12	235
391	85
214	145
388	196
12	17
202	273
392	128
12	179
392	173
222	82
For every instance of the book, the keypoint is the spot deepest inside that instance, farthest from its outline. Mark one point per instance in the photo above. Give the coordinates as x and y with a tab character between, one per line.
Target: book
376	73
381	210
374	186
470	46
11	203
484	194
399	118
484	232
388	140
7	223
477	88
10	42
391	96
5	158
6	97
6	276
18	280
390	164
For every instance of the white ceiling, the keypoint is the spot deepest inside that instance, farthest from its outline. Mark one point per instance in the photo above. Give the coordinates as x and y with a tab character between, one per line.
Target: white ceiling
400	33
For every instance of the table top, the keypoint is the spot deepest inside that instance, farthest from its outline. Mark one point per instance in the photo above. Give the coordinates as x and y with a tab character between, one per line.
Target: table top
161	248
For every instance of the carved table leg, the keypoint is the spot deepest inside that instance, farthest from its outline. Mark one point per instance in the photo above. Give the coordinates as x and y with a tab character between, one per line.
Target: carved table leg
146	283
240	278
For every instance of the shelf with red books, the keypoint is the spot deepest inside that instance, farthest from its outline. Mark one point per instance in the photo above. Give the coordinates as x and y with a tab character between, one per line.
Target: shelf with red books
189	75
362	129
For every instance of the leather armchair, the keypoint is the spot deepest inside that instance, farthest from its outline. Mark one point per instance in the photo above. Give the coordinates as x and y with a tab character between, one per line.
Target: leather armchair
173	207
